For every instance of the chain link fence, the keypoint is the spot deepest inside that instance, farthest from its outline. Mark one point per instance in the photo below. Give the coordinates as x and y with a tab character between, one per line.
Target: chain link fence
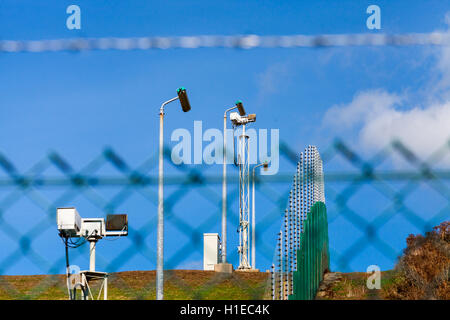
373	203
249	41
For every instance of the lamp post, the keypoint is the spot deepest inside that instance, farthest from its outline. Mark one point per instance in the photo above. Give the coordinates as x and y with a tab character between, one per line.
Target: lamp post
241	110
265	166
185	105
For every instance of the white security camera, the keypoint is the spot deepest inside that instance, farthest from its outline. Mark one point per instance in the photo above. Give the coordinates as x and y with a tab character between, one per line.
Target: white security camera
238	120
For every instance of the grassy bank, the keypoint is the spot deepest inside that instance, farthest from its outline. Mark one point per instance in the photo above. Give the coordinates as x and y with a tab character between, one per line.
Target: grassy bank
179	284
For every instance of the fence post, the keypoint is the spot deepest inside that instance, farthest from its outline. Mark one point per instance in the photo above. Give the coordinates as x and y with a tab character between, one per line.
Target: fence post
280	264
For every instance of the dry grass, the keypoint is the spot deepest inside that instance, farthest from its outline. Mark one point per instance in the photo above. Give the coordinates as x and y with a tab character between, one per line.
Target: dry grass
179	285
423	270
352	286
421	273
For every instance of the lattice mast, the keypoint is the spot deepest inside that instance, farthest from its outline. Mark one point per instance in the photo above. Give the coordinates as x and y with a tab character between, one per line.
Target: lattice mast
244	201
244	186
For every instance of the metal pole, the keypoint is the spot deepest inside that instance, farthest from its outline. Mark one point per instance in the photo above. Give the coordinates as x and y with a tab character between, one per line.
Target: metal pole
303	190
297	216
224	188
253	221
160	232
105	289
294	228
254	217
272	280
224	192
92	255
84	296
286	255
247	168
160	240
280	264
68	269
291	249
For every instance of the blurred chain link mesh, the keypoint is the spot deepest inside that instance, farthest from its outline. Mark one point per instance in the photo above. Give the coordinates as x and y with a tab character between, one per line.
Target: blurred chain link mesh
393	179
221	41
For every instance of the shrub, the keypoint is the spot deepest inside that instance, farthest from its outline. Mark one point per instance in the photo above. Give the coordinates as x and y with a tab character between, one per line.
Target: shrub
423	270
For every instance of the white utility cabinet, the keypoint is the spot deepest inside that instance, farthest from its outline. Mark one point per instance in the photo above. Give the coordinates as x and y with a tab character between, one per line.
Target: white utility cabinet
211	250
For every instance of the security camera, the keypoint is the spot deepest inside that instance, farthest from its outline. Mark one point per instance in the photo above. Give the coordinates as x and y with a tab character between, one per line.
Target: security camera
238	120
70	224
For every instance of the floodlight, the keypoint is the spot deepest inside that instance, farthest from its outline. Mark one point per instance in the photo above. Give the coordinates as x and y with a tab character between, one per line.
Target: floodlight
116	222
251	117
182	96
240	107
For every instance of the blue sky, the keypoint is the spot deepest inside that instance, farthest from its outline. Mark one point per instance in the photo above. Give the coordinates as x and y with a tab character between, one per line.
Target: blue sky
78	103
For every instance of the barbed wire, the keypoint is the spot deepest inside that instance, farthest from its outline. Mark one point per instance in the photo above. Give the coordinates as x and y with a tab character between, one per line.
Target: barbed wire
222	41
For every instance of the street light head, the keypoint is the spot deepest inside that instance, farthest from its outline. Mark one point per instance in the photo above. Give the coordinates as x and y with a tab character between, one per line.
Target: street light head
266	166
182	96
240	107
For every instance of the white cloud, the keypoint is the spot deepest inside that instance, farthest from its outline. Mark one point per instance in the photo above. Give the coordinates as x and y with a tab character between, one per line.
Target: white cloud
423	130
378	116
365	106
